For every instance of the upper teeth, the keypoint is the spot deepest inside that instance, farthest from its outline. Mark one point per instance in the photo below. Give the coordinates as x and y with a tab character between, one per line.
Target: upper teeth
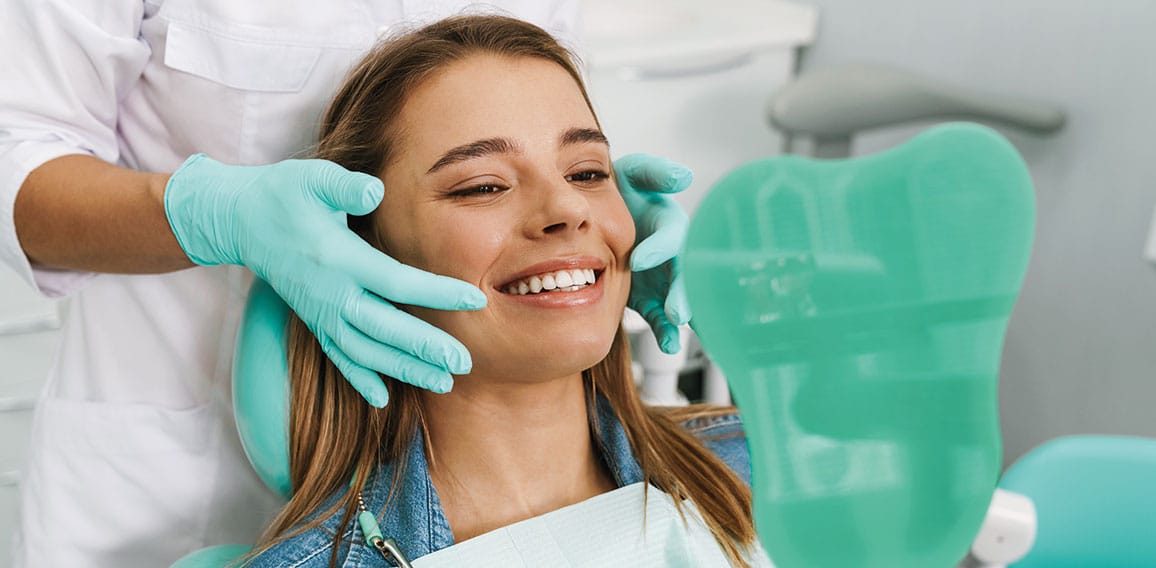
563	280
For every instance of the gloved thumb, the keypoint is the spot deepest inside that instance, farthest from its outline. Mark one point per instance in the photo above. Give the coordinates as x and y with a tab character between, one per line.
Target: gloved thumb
352	192
644	172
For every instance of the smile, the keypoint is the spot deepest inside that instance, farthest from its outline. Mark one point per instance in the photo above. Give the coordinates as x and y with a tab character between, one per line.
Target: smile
557	281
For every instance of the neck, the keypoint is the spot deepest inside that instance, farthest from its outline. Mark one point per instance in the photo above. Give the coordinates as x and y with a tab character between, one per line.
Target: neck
502	452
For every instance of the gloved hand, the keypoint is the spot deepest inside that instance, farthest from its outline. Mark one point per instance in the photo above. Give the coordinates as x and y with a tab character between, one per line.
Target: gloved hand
656	291
287	223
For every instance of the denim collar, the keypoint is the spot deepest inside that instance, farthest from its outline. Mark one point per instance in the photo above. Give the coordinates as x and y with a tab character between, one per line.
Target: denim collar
414	514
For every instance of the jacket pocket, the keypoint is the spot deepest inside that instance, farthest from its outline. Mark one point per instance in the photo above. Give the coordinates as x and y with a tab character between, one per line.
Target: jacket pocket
130	484
236	60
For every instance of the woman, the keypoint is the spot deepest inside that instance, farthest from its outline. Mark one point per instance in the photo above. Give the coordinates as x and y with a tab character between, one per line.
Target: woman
496	173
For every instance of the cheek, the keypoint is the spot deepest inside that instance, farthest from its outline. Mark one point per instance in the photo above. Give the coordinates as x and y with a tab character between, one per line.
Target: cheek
435	241
617	224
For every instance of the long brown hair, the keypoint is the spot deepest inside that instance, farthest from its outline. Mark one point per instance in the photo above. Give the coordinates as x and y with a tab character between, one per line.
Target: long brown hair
336	436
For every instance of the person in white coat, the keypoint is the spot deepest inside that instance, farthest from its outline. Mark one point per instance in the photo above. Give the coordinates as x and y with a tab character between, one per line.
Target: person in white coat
117	120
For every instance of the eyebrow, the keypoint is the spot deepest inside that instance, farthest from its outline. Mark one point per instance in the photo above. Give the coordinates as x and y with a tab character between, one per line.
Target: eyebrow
581	136
475	149
488	146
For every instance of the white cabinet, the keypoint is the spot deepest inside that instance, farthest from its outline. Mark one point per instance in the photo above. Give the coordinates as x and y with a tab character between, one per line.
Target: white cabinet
690	80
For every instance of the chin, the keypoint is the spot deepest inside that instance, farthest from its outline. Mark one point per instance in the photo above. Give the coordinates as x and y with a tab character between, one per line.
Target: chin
548	359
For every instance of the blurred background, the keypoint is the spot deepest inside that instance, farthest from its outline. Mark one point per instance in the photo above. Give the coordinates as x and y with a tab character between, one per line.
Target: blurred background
691	81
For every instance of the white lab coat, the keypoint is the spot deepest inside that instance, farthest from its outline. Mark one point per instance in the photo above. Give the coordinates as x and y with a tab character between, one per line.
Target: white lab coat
134	458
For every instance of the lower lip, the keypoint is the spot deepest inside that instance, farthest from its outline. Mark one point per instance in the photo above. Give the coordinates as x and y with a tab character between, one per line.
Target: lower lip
585	296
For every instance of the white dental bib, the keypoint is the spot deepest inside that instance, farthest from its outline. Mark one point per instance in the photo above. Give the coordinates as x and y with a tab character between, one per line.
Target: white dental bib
606	530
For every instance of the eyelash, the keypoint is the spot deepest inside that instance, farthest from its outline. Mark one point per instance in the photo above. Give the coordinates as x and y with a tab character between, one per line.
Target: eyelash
596	176
483	189
592	177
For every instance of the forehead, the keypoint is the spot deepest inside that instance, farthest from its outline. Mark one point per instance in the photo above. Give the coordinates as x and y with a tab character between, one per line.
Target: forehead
484	96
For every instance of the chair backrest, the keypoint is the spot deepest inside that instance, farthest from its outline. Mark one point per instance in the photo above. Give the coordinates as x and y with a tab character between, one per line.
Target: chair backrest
261	386
1095	499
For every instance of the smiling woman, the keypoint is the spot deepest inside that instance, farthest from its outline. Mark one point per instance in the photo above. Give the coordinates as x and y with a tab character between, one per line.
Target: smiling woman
496	172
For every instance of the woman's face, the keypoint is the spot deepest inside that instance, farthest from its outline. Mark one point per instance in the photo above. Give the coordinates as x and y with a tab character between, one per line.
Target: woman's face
500	177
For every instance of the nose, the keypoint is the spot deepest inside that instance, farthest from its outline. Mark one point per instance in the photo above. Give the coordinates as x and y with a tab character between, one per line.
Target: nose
558	208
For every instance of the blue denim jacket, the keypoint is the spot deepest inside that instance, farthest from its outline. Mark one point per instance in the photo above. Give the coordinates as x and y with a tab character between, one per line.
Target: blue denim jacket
415	517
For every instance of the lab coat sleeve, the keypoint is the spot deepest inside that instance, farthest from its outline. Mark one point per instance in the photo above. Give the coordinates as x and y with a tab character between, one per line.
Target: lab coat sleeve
66	65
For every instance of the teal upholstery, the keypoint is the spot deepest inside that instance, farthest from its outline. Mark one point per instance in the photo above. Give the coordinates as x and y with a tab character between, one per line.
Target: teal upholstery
1095	499
213	557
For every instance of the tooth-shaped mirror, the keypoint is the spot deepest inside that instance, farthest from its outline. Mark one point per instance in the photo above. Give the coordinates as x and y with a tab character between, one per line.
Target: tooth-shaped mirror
858	310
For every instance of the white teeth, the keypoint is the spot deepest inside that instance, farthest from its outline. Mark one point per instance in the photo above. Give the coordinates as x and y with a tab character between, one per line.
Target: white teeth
562	280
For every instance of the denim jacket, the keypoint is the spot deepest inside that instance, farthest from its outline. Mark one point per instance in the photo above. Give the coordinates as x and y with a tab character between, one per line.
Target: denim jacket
415	517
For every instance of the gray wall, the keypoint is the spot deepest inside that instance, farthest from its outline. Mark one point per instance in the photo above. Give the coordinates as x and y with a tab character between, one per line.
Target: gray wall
1081	347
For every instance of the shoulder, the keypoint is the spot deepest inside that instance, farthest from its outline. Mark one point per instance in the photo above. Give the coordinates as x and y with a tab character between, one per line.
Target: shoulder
722	433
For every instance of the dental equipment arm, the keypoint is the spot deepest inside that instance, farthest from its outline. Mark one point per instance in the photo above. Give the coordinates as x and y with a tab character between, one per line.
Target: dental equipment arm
831	104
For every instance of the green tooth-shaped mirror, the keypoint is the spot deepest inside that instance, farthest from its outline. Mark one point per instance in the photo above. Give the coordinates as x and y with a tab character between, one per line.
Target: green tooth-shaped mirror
858	310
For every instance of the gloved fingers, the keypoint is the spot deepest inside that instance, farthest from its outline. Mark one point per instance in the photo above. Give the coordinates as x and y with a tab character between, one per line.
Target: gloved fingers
665	333
662	244
644	172
385	323
393	362
669	338
677	308
402	284
364	381
352	192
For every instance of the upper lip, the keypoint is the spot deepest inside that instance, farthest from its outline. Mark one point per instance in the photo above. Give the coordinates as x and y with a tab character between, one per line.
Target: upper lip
554	265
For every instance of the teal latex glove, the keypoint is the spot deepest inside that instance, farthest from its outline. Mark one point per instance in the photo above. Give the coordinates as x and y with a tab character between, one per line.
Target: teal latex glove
656	291
287	223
